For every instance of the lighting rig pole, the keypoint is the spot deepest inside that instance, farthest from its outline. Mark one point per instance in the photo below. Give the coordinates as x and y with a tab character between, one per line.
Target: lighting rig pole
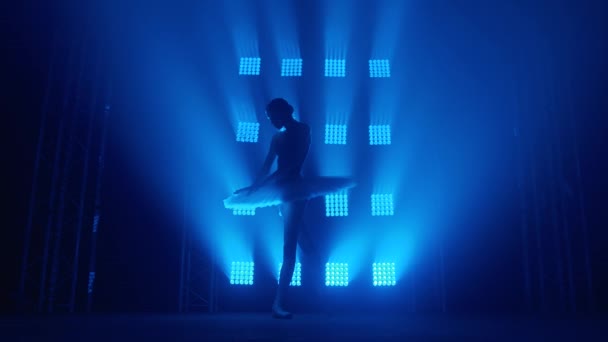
197	270
60	198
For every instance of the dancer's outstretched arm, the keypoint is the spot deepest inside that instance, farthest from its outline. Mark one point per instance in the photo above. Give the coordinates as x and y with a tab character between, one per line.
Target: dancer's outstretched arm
270	157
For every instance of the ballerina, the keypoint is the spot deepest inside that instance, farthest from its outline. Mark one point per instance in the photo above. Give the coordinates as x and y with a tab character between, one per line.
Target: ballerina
286	187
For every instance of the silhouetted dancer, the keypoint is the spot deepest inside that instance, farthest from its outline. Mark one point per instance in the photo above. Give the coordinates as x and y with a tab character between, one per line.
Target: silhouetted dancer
286	187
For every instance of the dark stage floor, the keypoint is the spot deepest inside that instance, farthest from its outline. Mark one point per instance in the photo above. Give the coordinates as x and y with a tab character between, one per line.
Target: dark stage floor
307	327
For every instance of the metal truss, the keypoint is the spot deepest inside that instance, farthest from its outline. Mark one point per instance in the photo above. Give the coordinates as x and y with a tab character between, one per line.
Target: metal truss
554	230
64	200
197	291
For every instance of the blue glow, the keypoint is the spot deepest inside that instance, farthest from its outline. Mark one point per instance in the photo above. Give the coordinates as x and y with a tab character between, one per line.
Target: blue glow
336	204
336	274
384	274
248	132
243	212
296	279
353	244
335	68
250	66
401	243
379	134
241	273
382	205
269	237
379	68
335	134
291	67
199	151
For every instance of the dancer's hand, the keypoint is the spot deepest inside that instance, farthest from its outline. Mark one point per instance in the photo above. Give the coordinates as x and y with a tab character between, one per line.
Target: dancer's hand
252	189
240	191
248	190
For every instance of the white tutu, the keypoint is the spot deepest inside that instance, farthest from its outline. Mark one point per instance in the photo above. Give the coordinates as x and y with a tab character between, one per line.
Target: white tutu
276	192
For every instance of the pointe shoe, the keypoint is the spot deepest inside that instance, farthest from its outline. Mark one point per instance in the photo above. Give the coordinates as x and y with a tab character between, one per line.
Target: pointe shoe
279	313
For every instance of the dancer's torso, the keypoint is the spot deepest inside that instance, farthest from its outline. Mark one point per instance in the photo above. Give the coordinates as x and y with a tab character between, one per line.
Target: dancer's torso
292	149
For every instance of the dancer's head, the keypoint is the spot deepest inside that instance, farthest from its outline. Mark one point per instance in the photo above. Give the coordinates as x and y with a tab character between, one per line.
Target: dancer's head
279	112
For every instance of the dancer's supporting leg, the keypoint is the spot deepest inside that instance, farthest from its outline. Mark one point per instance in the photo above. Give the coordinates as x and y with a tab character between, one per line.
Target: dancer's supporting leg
292	216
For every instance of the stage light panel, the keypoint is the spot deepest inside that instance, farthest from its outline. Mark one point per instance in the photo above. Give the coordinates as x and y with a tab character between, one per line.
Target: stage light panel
291	67
335	68
384	274
243	212
335	134
250	66
336	204
241	273
296	279
379	134
248	132
379	68
336	274
382	205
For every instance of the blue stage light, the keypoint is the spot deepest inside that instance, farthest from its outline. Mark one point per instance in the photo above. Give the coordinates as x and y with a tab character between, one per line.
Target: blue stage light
296	279
243	212
241	273
379	68
382	205
379	134
291	67
384	274
336	274
335	134
250	66
248	132
335	68
336	204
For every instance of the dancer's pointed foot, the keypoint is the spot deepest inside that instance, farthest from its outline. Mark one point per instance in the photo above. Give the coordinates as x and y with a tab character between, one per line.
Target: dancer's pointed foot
279	313
282	315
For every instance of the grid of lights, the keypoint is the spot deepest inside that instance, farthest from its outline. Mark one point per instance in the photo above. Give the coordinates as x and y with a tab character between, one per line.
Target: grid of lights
241	273
335	68
291	67
336	274
336	204
384	274
296	279
379	68
335	134
379	134
250	66
248	132
243	212
382	205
